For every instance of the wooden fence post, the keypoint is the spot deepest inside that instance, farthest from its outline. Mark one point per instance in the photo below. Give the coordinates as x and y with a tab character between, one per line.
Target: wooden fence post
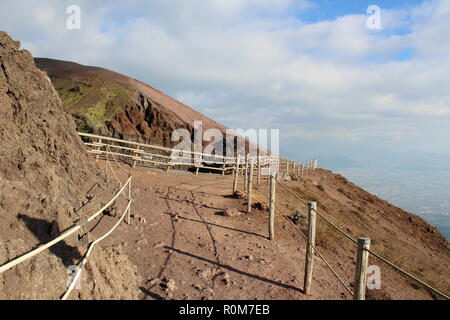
99	148
272	178
258	179
135	154
250	189
223	167
312	206
236	175
129	199
362	261
246	172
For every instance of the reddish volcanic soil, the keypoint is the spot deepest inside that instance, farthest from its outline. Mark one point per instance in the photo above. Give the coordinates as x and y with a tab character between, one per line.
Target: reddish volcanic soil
185	248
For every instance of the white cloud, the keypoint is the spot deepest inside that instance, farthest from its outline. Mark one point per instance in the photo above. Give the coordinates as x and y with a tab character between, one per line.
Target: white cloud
256	63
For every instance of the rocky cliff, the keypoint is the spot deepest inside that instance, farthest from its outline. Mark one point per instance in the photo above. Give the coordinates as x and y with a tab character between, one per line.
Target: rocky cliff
47	182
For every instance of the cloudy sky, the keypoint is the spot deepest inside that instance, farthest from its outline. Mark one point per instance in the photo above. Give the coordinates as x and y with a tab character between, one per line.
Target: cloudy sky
336	89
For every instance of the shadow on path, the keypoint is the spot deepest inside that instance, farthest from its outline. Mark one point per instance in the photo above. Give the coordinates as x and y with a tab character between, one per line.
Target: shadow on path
219	226
254	276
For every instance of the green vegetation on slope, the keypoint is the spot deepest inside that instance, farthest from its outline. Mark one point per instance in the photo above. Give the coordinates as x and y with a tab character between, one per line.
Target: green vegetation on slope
93	103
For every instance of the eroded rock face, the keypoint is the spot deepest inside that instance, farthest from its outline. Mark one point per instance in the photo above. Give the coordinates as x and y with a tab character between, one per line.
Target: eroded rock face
42	159
45	174
111	104
145	121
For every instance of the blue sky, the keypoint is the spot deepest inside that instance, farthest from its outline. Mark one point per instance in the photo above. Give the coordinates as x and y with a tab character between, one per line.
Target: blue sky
335	89
329	9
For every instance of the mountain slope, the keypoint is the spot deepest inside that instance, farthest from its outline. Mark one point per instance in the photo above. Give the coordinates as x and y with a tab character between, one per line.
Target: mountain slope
108	103
184	236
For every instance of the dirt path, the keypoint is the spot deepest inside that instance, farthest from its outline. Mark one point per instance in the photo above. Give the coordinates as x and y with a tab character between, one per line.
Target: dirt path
185	248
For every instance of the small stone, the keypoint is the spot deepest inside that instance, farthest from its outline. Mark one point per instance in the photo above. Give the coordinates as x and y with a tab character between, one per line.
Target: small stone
248	257
142	242
153	281
201	244
240	195
168	284
225	278
205	273
159	245
197	287
262	206
231	212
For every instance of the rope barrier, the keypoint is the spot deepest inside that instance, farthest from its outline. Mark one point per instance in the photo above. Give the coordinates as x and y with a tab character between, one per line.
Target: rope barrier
69	232
305	237
88	253
95	242
321	215
117	162
398	269
108	151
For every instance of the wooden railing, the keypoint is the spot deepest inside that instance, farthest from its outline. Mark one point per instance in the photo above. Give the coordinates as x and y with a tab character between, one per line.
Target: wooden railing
139	154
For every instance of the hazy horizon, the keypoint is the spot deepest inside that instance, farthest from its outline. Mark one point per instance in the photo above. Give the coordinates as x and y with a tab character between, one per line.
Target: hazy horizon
422	192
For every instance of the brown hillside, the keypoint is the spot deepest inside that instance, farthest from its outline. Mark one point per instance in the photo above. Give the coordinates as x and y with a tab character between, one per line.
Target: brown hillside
45	178
108	103
193	240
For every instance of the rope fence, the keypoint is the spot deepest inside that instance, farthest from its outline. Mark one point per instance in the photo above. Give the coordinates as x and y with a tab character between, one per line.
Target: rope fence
345	234
306	238
396	268
239	165
363	251
72	230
